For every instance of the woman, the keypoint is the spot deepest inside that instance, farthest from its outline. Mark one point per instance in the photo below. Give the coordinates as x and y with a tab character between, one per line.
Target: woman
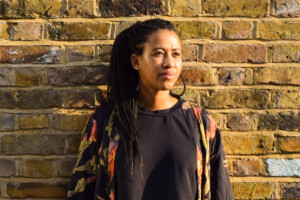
148	143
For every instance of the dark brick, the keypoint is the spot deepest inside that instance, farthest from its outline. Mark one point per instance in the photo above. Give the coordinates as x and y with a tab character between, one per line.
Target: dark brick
105	52
38	99
29	76
80	53
290	190
30	54
121	8
32	144
65	167
40	190
77	75
79	30
7	121
279	121
7	167
80	99
5	76
7	99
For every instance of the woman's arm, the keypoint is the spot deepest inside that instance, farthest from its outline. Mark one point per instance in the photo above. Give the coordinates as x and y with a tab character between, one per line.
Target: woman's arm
83	179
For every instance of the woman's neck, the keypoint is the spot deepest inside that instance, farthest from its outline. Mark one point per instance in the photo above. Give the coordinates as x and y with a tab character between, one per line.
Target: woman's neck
156	100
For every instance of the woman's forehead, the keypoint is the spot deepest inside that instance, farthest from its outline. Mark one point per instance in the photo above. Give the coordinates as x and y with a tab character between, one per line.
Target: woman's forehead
164	37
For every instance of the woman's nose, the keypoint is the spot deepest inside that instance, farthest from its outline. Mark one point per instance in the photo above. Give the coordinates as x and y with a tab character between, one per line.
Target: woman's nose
168	61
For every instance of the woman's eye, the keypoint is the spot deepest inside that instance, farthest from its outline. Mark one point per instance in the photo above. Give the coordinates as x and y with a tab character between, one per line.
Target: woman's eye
176	54
159	53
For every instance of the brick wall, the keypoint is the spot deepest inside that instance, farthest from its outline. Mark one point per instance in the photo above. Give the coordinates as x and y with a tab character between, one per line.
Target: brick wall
241	62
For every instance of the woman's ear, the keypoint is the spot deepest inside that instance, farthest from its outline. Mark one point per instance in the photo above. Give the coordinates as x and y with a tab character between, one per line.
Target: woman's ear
135	61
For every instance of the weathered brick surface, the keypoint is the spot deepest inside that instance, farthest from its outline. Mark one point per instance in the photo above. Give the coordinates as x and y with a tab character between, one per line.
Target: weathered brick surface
74	75
289	144
237	30
29	76
190	53
6	121
65	167
80	53
32	144
243	8
234	53
196	29
4	33
70	121
32	8
283	167
104	52
268	30
236	99
198	76
284	75
37	168
254	190
45	190
38	99
25	31
80	99
30	54
284	53
78	8
248	167
240	122
287	8
33	121
285	99
120	8
240	62
7	100
7	167
74	144
234	76
79	30
185	8
6	76
248	144
279	121
290	190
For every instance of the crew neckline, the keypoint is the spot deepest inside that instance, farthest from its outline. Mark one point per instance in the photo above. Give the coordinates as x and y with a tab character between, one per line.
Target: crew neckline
160	112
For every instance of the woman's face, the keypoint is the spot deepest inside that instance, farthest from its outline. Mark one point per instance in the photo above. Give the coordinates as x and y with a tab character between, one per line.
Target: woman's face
160	64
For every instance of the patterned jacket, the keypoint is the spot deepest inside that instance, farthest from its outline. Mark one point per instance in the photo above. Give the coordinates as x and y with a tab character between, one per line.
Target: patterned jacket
93	175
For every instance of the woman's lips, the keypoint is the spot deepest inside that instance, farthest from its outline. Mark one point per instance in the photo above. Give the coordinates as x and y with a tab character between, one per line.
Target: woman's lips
168	75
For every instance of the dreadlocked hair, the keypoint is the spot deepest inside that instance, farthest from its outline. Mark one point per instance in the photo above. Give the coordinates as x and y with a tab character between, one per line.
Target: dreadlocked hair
123	81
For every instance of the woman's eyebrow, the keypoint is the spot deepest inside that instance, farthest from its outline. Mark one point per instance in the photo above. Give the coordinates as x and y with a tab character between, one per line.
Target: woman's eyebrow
161	48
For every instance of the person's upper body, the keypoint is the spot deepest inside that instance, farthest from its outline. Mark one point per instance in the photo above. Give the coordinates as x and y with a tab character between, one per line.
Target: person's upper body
149	143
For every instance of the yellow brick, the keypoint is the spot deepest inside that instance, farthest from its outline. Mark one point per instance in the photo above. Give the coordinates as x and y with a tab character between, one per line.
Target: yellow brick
33	121
243	8
70	121
37	168
269	30
196	29
248	144
254	190
4	31
185	7
284	53
289	144
28	76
